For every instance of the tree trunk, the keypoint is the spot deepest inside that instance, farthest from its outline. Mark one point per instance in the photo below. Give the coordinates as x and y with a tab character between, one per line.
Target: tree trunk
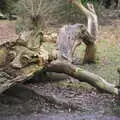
82	75
90	54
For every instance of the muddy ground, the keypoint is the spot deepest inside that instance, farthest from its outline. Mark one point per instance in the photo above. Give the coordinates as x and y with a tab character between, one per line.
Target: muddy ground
88	104
83	101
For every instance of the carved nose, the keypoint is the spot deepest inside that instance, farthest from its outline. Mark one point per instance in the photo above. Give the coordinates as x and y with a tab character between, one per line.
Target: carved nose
16	63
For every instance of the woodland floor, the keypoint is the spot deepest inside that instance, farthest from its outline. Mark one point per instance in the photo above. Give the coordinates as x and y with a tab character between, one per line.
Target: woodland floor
91	104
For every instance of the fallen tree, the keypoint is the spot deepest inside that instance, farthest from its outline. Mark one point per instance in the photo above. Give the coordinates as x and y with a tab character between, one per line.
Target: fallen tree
22	59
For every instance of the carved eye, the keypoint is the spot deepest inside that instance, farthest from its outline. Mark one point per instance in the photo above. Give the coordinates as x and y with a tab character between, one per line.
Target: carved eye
34	56
25	60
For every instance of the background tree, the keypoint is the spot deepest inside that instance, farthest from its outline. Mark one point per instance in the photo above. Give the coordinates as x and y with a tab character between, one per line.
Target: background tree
115	4
7	6
35	13
42	13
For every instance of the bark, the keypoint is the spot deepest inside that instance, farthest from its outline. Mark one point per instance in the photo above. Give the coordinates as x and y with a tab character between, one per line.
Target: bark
119	75
4	85
67	45
90	54
119	4
82	75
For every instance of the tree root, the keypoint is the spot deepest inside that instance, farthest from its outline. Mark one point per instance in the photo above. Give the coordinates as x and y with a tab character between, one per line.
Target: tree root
53	99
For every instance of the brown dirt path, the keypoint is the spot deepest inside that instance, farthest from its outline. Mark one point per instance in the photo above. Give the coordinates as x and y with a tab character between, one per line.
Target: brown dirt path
7	31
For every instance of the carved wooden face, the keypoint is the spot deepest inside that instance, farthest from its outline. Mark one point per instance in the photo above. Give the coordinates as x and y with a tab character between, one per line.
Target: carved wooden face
21	56
26	50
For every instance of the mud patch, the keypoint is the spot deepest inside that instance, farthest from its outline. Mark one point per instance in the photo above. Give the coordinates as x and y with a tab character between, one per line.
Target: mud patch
23	102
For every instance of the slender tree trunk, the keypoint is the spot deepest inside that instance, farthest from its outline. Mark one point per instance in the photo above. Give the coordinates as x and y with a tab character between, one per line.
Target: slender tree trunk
90	52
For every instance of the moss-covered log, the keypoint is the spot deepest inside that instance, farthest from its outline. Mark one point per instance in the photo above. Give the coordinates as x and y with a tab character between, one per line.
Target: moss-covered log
82	75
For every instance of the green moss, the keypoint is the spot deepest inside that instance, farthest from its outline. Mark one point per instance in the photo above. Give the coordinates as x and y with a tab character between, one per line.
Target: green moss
78	70
75	85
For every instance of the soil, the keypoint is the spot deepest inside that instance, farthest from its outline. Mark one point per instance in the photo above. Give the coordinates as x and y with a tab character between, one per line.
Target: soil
26	105
7	31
